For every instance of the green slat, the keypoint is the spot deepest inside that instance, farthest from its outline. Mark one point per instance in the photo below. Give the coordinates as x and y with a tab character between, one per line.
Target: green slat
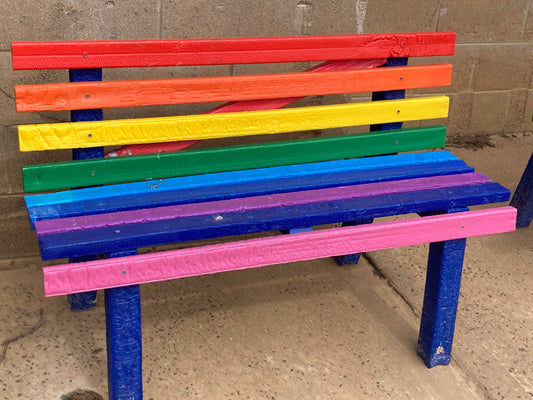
101	171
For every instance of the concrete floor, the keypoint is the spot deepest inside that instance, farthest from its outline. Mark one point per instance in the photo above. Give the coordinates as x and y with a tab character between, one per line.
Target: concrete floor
300	331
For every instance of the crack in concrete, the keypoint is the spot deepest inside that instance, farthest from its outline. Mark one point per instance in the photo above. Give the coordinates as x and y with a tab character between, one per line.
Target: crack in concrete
469	376
8	95
31	331
379	272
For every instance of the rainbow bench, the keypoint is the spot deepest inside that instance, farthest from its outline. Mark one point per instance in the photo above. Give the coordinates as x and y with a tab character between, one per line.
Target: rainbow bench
102	209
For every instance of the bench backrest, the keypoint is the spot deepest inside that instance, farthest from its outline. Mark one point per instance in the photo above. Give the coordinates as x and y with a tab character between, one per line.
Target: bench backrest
350	68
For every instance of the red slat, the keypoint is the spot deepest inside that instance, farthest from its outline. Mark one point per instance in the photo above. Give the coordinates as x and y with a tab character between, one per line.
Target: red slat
144	53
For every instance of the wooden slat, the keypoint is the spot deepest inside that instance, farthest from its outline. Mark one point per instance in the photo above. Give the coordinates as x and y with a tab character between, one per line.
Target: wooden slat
72	174
150	130
143	53
91	95
104	240
72	278
73	224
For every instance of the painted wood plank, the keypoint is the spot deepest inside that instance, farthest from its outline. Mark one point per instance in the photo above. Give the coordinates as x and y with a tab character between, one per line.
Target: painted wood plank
270	219
70	278
133	93
71	174
249	105
64	225
101	133
164	193
145	53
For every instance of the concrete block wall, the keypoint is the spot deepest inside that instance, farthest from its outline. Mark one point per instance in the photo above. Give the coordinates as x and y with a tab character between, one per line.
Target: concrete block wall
491	92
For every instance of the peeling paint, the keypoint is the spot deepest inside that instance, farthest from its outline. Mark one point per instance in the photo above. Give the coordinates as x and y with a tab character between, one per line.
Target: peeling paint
303	16
360	14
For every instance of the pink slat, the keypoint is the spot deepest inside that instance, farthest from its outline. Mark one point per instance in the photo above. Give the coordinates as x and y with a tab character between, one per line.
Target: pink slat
63	225
92	275
247	105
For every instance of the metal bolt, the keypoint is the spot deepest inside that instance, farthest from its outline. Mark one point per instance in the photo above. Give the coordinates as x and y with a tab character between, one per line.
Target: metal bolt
124	272
117	231
88	95
90	135
401	78
93	173
397	111
84	54
219	218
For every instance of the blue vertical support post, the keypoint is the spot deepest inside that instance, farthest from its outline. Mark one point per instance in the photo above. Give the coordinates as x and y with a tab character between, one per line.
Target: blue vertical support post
441	297
523	197
352	259
84	301
124	340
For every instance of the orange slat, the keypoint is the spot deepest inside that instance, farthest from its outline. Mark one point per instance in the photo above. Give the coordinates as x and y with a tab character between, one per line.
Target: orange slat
90	95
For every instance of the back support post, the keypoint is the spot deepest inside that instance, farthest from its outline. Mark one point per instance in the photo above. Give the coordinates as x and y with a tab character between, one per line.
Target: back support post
85	301
352	259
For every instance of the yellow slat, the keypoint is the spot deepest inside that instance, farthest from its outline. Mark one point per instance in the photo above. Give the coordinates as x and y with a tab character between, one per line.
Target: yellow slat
210	126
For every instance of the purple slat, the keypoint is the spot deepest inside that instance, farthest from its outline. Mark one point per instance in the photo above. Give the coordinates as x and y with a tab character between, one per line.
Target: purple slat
62	225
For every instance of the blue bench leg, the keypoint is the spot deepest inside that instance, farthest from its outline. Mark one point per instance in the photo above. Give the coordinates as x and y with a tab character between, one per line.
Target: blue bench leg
523	197
441	297
124	342
351	259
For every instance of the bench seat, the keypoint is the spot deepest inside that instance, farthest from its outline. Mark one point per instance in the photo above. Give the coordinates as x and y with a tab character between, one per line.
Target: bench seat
285	198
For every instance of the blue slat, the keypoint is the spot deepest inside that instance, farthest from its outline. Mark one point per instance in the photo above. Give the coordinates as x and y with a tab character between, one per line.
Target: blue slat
276	219
214	190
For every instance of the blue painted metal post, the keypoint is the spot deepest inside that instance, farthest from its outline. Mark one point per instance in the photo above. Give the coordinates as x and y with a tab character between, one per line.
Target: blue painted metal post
124	340
523	197
84	301
352	259
390	95
441	297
